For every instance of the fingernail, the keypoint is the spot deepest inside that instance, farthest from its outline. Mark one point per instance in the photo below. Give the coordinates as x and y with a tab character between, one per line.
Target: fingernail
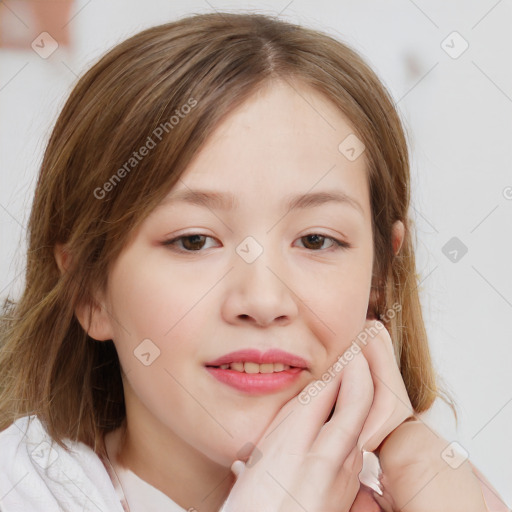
371	472
237	467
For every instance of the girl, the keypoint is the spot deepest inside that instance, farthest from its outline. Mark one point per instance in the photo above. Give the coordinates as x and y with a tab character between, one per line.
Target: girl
184	340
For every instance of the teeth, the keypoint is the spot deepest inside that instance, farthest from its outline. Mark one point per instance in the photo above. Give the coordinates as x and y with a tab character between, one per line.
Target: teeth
265	368
249	367
252	368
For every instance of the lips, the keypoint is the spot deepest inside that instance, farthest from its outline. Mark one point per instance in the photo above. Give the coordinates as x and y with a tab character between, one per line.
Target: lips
255	373
273	356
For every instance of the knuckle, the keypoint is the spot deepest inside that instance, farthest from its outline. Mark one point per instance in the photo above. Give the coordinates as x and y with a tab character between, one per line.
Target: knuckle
352	465
354	461
345	432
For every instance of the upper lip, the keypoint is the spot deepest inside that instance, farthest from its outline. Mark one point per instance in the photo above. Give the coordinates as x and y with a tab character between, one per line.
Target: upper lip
252	355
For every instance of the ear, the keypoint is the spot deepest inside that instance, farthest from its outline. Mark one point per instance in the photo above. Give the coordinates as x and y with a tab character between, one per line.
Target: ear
94	318
62	257
397	236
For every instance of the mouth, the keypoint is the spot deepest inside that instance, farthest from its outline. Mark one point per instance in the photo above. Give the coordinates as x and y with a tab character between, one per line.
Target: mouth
255	373
253	368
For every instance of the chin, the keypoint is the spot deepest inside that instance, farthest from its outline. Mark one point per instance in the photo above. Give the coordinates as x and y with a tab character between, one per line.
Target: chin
228	450
240	434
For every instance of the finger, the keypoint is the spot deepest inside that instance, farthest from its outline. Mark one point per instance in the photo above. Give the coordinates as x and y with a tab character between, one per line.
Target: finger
319	488
285	443
339	435
383	502
391	401
346	485
365	501
296	425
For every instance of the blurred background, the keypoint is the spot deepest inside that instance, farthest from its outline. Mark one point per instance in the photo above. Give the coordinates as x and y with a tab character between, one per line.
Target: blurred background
448	66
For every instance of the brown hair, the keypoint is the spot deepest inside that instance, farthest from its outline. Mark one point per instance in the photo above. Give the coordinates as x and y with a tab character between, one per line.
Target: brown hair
213	62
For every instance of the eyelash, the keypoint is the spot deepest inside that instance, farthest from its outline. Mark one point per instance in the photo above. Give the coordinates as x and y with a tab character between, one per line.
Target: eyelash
337	244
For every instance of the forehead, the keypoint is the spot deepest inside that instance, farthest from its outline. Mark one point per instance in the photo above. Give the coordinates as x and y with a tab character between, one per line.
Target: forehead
282	143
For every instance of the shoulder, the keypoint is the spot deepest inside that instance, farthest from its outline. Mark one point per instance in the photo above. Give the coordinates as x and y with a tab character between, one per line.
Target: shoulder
19	439
37	474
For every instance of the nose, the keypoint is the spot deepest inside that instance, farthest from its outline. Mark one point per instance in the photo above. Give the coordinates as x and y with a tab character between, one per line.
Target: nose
260	293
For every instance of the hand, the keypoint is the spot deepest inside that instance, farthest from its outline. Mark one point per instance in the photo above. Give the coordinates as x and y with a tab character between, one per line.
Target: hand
365	502
391	404
312	466
307	464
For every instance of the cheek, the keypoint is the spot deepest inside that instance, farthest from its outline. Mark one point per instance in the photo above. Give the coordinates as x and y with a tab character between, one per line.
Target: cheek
155	315
150	300
337	302
175	309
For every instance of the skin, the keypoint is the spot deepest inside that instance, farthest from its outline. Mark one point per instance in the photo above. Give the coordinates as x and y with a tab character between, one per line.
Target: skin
307	297
417	479
184	428
317	464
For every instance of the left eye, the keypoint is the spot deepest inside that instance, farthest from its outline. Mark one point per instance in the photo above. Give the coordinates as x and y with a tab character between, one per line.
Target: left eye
194	243
316	239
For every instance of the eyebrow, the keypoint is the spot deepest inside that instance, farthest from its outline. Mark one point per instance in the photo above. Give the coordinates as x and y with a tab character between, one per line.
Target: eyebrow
227	201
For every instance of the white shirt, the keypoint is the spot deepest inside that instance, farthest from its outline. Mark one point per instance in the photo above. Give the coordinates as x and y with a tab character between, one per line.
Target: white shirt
37	475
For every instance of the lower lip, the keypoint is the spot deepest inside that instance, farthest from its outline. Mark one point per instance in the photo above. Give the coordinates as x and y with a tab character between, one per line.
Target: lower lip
256	383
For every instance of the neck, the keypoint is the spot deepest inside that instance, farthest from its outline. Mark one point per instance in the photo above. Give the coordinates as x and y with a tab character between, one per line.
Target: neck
199	484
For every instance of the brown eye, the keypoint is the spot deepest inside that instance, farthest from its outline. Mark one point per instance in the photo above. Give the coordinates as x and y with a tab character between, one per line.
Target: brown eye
315	241
189	243
196	243
193	242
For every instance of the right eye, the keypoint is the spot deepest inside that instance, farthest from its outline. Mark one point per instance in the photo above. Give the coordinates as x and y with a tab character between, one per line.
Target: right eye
187	243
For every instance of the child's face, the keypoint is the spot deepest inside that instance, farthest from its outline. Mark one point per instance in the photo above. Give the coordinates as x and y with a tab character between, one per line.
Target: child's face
303	295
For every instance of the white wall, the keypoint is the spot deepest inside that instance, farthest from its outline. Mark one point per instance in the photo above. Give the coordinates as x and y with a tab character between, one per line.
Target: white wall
458	113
